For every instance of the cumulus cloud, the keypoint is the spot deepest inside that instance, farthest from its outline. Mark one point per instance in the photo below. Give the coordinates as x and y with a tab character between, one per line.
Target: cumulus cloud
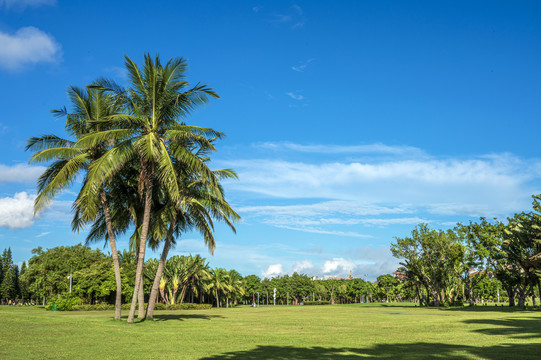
273	270
337	265
17	212
303	266
20	173
27	46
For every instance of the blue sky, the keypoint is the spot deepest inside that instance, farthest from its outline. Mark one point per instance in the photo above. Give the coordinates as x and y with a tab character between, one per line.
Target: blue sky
348	122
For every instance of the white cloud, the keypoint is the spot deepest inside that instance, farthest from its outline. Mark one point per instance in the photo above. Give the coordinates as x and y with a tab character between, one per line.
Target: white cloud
337	265
20	173
303	266
273	270
22	4
323	208
314	230
17	212
295	96
371	149
45	233
446	186
28	45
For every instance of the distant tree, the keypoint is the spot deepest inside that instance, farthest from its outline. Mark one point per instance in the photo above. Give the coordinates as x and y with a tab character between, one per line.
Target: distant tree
253	286
388	287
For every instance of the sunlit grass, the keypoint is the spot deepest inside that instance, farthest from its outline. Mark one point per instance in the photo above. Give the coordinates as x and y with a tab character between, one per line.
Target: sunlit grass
294	332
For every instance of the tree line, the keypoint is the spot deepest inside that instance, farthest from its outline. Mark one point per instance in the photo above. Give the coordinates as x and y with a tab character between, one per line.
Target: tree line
186	279
444	267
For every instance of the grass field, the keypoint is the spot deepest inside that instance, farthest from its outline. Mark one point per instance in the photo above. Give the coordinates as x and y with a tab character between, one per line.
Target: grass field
294	332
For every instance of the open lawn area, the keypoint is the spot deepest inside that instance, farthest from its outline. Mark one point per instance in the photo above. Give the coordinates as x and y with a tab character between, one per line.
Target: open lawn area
294	332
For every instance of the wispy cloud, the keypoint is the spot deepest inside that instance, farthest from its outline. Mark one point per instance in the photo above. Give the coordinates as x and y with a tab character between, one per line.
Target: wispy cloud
22	4
43	234
28	46
370	149
293	16
302	65
491	185
20	173
314	230
295	95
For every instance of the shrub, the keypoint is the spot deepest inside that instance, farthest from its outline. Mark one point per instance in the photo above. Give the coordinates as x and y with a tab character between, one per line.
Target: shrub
158	306
64	302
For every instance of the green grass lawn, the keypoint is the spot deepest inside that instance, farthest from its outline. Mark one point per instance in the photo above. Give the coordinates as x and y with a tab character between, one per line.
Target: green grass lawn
293	332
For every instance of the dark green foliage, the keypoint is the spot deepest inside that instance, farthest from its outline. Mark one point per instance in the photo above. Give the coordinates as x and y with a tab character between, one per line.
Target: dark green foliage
159	306
316	302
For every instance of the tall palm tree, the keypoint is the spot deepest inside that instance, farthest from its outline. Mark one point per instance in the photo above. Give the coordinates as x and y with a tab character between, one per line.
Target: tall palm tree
91	108
150	132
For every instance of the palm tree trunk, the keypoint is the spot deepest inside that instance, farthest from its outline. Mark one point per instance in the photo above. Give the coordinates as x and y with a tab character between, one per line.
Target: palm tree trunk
114	252
159	271
183	293
141	300
141	254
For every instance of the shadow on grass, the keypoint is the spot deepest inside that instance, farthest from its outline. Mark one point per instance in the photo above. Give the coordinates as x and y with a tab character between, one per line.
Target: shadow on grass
387	351
512	328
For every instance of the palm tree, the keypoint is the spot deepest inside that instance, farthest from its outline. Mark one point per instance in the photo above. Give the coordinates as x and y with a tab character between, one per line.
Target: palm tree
150	133
202	202
218	284
234	285
91	107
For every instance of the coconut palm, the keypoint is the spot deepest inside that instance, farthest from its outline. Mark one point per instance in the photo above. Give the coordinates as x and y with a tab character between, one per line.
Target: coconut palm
203	202
151	134
91	107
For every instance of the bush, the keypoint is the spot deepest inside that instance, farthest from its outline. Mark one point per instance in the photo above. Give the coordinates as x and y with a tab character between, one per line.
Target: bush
158	306
316	302
64	302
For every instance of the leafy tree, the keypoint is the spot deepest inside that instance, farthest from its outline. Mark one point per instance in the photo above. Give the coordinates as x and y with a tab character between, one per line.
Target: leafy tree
388	287
253	286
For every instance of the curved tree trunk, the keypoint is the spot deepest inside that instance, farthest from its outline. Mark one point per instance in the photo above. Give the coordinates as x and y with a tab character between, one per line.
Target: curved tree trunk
141	254
159	271
141	300
114	253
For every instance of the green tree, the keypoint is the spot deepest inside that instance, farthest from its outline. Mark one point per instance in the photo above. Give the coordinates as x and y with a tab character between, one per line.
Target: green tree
253	286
